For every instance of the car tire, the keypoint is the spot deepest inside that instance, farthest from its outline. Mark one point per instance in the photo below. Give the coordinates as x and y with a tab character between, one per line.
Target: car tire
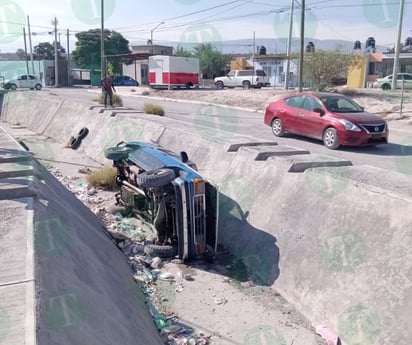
155	178
219	85
246	85
75	143
38	87
165	251
277	127
32	88
83	133
386	87
117	153
330	138
13	86
188	85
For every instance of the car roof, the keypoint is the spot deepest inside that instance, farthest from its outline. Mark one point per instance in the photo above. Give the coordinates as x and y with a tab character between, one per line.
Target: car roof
316	94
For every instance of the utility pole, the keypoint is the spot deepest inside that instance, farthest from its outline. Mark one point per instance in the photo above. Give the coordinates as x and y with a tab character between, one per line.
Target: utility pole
31	50
25	50
397	46
56	57
68	58
302	45
102	64
292	6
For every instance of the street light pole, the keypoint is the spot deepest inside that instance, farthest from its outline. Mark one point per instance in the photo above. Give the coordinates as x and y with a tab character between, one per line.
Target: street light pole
302	45
397	47
289	45
102	65
151	35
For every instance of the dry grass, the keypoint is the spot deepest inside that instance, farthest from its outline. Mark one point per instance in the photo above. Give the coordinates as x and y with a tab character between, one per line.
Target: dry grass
155	109
117	100
105	177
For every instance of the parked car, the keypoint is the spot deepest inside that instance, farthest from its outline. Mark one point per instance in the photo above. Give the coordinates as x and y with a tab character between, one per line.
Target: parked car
402	78
124	80
24	81
243	78
334	118
165	189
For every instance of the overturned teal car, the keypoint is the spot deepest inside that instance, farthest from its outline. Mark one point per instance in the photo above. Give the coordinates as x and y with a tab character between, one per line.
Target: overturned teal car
166	190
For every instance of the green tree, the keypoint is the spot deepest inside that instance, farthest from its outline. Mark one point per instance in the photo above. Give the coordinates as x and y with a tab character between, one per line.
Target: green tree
87	52
211	61
21	54
322	66
180	51
45	50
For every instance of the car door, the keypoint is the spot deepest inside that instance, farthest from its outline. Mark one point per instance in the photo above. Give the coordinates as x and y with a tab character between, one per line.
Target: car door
231	79
290	114
31	81
22	80
407	80
310	121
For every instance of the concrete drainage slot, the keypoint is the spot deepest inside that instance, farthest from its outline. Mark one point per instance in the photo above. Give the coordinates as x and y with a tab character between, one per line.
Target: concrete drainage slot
302	166
263	156
236	147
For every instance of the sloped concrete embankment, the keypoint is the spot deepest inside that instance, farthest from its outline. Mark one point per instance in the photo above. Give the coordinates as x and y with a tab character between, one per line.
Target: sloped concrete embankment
62	280
336	241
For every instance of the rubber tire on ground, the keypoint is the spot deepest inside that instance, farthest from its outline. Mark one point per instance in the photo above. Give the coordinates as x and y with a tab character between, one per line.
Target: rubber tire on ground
154	250
277	128
246	85
219	85
155	178
83	133
117	153
386	87
75	143
38	87
188	85
330	133
13	86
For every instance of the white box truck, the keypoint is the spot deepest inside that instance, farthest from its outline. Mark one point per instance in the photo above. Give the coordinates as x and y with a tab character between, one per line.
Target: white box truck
173	72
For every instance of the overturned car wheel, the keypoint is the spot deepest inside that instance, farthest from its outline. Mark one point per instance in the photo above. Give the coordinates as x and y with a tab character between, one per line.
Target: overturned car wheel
165	251
117	153
155	178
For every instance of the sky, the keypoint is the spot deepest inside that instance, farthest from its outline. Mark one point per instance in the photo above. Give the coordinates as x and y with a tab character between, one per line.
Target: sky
199	21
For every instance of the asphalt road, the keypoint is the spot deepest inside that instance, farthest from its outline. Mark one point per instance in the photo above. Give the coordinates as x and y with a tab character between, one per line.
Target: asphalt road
227	122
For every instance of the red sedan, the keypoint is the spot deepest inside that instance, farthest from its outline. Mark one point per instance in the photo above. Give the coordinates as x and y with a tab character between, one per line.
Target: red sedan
331	117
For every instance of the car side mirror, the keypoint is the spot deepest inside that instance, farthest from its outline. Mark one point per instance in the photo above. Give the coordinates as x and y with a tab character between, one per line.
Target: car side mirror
362	108
184	157
320	111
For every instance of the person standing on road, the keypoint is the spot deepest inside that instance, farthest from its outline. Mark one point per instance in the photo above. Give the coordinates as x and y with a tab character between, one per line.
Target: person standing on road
108	89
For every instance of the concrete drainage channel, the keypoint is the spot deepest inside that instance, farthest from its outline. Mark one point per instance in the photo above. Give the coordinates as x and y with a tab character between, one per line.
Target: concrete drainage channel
316	227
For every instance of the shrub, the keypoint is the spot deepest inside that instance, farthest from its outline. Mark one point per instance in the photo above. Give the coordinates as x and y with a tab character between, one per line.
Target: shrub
145	93
105	177
155	109
117	100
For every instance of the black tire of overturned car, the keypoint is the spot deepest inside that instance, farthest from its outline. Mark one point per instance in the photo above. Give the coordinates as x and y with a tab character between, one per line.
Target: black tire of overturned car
117	153
165	251
155	178
83	133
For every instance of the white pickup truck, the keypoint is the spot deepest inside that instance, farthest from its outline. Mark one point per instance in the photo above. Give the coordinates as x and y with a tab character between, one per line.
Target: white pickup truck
243	78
